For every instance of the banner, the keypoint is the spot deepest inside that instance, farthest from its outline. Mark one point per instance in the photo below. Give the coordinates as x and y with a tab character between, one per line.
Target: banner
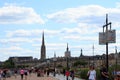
109	37
102	39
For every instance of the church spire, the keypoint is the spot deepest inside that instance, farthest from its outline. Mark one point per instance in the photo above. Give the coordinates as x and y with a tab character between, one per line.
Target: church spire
43	48
67	52
67	47
81	53
43	42
54	55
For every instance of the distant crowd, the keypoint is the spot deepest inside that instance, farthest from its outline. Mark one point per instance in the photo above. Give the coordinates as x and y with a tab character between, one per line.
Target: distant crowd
7	73
40	72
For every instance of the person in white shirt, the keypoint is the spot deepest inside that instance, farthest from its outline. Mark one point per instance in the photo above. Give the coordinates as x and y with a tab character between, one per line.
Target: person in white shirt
91	73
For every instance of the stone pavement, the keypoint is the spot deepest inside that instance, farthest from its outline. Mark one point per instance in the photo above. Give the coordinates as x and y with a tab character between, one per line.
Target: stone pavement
32	77
62	77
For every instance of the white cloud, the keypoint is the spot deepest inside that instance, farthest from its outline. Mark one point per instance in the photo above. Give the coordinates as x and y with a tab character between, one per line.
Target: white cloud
79	14
31	33
23	33
118	4
16	40
17	51
12	14
89	14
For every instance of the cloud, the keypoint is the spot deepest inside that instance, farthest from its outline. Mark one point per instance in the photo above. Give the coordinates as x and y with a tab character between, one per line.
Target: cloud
12	14
17	51
79	14
90	14
23	33
15	40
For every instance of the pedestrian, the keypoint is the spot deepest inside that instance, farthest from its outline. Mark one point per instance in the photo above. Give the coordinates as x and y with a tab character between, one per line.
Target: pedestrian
30	71
48	72
91	73
117	75
0	74
72	74
4	74
64	72
22	73
26	73
104	73
15	73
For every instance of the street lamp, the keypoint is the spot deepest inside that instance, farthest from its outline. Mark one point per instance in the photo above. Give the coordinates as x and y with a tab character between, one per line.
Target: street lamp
116	56
93	55
54	59
67	68
106	41
48	61
106	37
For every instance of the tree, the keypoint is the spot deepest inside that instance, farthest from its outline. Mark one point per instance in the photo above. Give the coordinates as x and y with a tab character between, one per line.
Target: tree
9	64
79	63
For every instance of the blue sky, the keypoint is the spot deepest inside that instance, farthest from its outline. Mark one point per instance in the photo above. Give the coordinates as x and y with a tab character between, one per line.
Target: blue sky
75	22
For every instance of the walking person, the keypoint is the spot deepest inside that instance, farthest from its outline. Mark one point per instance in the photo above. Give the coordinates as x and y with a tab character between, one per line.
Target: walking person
22	73
104	73
26	73
30	71
0	74
4	74
117	75
48	71
15	73
72	74
91	73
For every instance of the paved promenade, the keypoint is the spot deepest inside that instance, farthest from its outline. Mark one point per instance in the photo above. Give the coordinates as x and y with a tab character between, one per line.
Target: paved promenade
61	77
34	77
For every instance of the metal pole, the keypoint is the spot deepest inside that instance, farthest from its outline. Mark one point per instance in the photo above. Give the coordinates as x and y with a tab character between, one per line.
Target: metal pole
107	64
93	55
116	56
54	68
106	32
67	69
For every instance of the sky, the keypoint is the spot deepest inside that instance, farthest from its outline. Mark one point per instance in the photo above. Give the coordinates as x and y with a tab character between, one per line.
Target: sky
76	22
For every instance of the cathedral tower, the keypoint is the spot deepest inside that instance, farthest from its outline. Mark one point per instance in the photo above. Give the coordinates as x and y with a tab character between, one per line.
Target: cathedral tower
43	48
67	52
81	53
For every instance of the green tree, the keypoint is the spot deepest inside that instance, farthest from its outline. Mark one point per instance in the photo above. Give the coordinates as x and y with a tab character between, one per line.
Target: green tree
79	63
9	64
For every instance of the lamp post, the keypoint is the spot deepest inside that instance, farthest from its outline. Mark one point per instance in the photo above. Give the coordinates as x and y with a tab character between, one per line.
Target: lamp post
54	60
108	36
67	68
116	56
106	41
93	55
48	61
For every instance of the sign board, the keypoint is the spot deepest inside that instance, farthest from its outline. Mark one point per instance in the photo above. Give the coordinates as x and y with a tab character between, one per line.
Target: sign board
102	39
109	37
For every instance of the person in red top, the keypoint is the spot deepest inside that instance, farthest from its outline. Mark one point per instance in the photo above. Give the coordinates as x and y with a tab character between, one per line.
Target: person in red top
21	73
67	73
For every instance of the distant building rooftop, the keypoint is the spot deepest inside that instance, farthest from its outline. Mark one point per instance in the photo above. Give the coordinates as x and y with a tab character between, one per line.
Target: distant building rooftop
21	58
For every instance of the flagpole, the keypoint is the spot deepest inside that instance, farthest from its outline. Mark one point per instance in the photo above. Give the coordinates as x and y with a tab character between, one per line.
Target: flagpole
93	53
